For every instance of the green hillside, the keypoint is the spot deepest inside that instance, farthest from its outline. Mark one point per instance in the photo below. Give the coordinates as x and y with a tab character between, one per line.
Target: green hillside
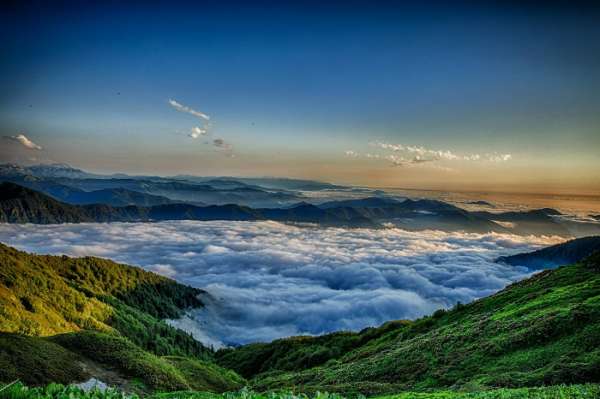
49	306
540	331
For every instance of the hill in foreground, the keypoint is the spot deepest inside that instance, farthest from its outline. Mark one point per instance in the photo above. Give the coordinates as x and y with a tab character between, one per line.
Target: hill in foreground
68	319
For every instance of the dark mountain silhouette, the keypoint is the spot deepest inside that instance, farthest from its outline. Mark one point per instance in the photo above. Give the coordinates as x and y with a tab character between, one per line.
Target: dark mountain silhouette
22	205
370	202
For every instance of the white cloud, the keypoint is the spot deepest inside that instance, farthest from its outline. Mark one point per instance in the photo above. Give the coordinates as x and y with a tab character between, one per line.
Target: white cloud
196	132
23	140
183	108
499	157
267	280
350	153
419	154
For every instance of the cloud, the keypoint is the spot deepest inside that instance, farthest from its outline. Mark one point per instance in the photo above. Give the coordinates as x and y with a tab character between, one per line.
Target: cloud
267	280
23	140
196	132
350	153
223	145
183	108
420	155
499	157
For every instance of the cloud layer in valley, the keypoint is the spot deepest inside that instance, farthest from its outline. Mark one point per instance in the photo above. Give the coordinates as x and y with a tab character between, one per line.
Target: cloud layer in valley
267	280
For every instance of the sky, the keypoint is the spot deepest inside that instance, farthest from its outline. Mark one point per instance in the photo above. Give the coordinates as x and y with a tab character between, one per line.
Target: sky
431	95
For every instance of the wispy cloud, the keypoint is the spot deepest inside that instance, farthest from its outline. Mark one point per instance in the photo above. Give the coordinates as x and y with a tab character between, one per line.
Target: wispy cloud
24	141
184	108
204	130
499	157
412	154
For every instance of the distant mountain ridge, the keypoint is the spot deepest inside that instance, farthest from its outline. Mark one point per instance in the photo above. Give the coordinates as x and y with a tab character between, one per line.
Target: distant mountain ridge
22	205
556	255
77	187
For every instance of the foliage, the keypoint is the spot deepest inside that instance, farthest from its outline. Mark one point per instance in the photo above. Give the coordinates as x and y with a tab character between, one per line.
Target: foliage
55	391
65	358
70	297
206	376
36	361
45	295
119	353
298	353
587	391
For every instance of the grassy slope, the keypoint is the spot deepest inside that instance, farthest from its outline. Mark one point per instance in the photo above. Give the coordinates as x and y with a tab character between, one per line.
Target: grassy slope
46	295
41	296
544	330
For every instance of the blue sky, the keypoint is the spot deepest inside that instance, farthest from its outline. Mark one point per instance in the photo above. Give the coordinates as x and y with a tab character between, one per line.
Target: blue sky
291	88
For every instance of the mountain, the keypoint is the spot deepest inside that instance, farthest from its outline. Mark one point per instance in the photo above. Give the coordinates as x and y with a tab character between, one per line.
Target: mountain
50	170
544	221
421	214
555	255
57	170
68	319
275	183
369	202
114	197
21	205
540	331
120	191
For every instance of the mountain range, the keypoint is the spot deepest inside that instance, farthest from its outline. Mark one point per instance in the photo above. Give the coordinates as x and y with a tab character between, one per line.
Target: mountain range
19	204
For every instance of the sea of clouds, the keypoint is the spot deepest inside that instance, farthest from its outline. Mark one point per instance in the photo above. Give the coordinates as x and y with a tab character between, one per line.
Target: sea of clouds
266	280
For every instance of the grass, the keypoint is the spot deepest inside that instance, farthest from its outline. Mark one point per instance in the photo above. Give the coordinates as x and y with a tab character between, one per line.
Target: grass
61	358
35	361
43	295
56	391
